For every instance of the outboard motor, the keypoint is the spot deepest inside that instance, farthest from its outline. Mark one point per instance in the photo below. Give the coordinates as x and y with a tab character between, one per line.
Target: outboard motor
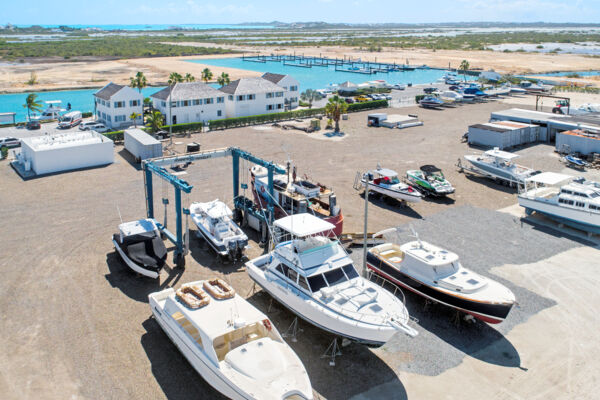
333	207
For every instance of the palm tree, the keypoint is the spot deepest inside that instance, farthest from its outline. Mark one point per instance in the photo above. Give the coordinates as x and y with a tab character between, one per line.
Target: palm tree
464	66
134	116
189	77
174	78
206	75
335	107
223	79
32	104
310	95
138	81
155	121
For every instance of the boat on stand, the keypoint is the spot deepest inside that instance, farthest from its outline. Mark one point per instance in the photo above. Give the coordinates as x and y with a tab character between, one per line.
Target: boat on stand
386	182
571	201
215	224
498	165
230	343
312	275
140	246
293	195
438	275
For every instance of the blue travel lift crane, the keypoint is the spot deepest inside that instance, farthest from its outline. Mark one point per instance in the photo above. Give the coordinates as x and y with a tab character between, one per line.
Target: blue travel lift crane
242	204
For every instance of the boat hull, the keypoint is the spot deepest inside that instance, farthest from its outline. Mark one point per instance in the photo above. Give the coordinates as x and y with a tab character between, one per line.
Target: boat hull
492	313
395	194
220	248
135	267
580	219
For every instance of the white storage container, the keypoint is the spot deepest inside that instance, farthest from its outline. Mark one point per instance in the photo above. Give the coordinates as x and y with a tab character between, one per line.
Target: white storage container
141	145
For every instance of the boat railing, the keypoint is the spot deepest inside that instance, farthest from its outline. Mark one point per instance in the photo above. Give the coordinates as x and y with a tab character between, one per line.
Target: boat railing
384	282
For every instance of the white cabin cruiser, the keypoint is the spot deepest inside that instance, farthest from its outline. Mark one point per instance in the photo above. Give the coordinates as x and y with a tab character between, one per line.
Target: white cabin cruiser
438	275
140	246
231	344
386	182
575	203
313	276
499	165
52	111
216	226
450	96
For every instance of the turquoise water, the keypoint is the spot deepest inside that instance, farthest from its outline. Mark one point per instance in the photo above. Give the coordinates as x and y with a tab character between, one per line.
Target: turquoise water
321	77
81	100
580	73
160	27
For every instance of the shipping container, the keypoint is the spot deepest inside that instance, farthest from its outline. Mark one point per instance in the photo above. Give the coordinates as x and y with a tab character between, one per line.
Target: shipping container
141	145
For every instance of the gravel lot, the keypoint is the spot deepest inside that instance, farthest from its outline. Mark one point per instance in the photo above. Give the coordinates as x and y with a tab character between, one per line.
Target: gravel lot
76	323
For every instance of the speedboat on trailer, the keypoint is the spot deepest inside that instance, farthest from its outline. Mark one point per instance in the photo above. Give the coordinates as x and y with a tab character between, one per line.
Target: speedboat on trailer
431	102
386	182
313	276
571	201
499	165
140	246
430	180
231	344
214	223
438	275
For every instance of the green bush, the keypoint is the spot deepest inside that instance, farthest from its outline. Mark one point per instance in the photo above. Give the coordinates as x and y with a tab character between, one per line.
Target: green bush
367	105
3	152
116	136
187	127
86	114
419	97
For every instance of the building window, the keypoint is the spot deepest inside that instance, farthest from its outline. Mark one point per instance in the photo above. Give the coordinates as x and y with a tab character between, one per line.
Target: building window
208	100
108	118
240	98
269	107
220	99
269	95
230	97
293	88
279	94
185	103
218	113
119	104
251	97
173	104
196	102
279	106
120	118
134	103
163	103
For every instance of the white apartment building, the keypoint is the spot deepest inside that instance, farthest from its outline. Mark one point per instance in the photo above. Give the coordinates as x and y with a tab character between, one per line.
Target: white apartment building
115	104
290	86
253	96
187	102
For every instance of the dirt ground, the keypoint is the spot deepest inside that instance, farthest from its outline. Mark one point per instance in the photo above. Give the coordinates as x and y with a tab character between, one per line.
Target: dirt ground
64	75
75	322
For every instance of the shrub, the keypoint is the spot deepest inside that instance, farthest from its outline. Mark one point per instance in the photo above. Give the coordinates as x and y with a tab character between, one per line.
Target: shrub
116	136
367	105
86	114
3	152
187	127
419	97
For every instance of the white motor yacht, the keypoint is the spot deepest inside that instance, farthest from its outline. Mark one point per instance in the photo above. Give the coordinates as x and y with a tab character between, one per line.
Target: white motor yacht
214	223
52	111
313	276
386	182
571	201
231	344
438	275
499	165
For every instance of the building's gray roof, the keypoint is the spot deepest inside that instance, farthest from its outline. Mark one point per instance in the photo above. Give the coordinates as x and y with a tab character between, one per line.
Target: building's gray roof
251	86
187	91
108	91
275	78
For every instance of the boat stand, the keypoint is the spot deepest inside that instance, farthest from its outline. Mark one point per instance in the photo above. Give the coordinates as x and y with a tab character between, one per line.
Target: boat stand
252	290
332	352
293	330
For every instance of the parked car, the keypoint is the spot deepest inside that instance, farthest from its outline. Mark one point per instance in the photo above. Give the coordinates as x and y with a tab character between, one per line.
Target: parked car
33	124
399	86
429	90
85	126
386	97
10	142
350	100
362	98
373	96
100	128
70	120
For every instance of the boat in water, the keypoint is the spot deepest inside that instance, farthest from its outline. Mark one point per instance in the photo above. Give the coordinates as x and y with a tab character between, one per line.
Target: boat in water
313	276
438	275
140	246
293	195
499	165
571	201
230	343
215	225
53	110
386	182
430	180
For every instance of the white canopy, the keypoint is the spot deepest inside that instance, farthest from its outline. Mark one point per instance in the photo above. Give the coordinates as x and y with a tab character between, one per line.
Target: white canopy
302	225
505	155
348	84
549	178
384	172
214	209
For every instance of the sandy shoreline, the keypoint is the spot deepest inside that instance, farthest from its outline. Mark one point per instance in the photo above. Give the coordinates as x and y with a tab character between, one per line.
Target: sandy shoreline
93	74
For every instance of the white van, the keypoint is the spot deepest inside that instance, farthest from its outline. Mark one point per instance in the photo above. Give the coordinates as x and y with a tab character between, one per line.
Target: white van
70	120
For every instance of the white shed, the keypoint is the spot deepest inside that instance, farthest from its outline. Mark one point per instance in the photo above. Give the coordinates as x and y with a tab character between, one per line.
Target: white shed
141	145
503	134
65	151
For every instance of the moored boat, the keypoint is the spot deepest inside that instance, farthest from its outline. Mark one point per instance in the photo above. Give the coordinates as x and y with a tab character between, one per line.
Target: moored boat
231	344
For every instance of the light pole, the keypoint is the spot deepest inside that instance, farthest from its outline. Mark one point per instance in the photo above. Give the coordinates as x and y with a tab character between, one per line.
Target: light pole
365	227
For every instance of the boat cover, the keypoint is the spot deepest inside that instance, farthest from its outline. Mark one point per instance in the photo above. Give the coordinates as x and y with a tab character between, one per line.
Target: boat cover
430	169
145	249
215	209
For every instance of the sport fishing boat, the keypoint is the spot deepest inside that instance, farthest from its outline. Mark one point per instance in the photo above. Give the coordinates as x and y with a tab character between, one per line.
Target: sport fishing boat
438	275
293	195
450	96
140	246
430	180
313	276
216	226
52	111
386	182
231	344
572	201
498	164
431	102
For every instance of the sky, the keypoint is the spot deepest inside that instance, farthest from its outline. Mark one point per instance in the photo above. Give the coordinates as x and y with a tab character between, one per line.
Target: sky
65	12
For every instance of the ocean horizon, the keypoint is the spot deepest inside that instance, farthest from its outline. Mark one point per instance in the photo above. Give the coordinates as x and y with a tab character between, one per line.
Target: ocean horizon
151	27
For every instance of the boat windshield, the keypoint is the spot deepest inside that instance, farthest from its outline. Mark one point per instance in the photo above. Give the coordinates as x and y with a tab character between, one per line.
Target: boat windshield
332	278
389	180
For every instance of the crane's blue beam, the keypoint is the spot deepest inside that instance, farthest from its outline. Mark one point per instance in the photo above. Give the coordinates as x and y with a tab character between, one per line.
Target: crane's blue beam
166	175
